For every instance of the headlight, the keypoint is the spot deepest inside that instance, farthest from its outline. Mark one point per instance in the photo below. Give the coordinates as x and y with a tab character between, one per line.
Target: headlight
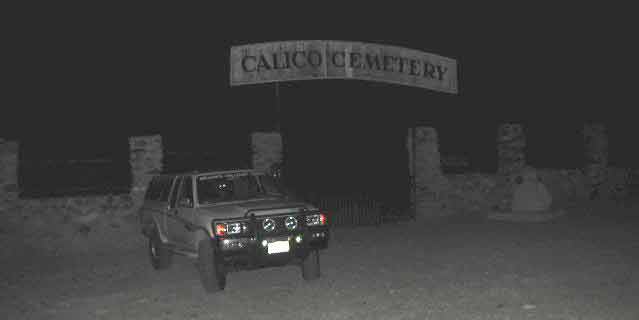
290	223
233	228
268	224
318	219
228	228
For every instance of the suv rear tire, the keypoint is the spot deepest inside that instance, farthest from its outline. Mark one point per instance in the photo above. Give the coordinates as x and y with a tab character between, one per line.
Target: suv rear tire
311	266
160	255
212	273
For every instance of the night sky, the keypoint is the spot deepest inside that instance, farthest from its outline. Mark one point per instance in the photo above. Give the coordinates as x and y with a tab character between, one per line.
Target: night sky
109	73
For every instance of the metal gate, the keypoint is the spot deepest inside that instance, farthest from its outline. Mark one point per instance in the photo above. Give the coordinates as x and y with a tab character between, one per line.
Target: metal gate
350	210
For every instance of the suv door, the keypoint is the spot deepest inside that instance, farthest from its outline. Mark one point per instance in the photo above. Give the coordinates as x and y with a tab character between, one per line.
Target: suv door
181	213
186	211
160	195
175	226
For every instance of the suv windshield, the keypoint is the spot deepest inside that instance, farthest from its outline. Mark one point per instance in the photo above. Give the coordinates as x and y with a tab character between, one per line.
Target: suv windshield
232	187
271	186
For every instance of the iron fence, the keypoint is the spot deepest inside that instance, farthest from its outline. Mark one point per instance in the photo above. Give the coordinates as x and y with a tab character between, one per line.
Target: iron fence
349	210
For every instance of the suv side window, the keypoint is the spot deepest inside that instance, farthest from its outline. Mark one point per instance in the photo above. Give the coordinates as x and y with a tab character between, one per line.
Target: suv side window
166	188
151	192
185	199
155	188
174	191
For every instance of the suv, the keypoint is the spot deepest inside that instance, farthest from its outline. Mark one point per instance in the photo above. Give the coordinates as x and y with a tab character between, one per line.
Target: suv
230	220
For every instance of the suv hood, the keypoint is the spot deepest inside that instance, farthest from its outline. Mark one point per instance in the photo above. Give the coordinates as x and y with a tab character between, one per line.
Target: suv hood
261	207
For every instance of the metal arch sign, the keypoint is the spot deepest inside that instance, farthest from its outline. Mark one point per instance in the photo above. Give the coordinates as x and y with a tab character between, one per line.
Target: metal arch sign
326	59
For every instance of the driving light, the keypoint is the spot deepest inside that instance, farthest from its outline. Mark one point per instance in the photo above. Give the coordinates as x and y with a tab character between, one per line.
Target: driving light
298	238
290	223
268	224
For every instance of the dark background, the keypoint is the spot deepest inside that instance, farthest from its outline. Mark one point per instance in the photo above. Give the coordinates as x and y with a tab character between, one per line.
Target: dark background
81	80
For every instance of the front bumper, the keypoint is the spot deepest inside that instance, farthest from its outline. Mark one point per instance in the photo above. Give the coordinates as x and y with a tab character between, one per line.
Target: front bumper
249	252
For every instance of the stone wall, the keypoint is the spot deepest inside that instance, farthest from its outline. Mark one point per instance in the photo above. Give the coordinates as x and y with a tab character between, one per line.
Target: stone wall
567	186
76	224
511	145
436	193
633	185
473	192
479	192
616	185
596	156
145	158
267	149
72	225
146	154
425	168
8	170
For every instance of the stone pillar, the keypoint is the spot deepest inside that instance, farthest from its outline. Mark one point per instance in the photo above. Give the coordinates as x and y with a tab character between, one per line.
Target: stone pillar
146	155
511	144
425	168
596	156
8	170
267	149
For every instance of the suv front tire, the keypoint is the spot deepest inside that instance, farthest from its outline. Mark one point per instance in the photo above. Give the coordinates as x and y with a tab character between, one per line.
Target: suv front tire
160	255
212	273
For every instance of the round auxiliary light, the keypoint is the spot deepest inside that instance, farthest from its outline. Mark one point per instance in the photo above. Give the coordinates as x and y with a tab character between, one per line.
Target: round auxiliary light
268	224
290	223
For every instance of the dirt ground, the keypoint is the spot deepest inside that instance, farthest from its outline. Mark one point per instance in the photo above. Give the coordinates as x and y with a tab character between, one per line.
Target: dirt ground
581	266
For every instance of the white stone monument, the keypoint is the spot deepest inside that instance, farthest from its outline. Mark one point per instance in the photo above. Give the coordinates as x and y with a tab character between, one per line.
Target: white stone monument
530	195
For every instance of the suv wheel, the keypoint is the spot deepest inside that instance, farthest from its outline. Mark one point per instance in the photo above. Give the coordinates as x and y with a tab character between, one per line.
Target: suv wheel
311	266
212	273
160	255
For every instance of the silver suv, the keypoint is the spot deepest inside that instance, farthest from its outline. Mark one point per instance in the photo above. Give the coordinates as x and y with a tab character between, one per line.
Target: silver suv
228	221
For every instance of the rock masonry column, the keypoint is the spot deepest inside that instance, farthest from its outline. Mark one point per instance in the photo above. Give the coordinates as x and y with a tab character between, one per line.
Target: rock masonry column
425	168
8	170
596	156
146	153
511	145
267	149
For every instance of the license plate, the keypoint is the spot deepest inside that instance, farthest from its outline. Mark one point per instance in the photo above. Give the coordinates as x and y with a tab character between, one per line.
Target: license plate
278	247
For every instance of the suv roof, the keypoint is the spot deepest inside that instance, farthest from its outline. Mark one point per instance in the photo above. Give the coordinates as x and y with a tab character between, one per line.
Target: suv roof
205	172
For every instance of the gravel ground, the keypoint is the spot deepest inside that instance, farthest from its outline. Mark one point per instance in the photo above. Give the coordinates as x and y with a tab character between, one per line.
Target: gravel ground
582	266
